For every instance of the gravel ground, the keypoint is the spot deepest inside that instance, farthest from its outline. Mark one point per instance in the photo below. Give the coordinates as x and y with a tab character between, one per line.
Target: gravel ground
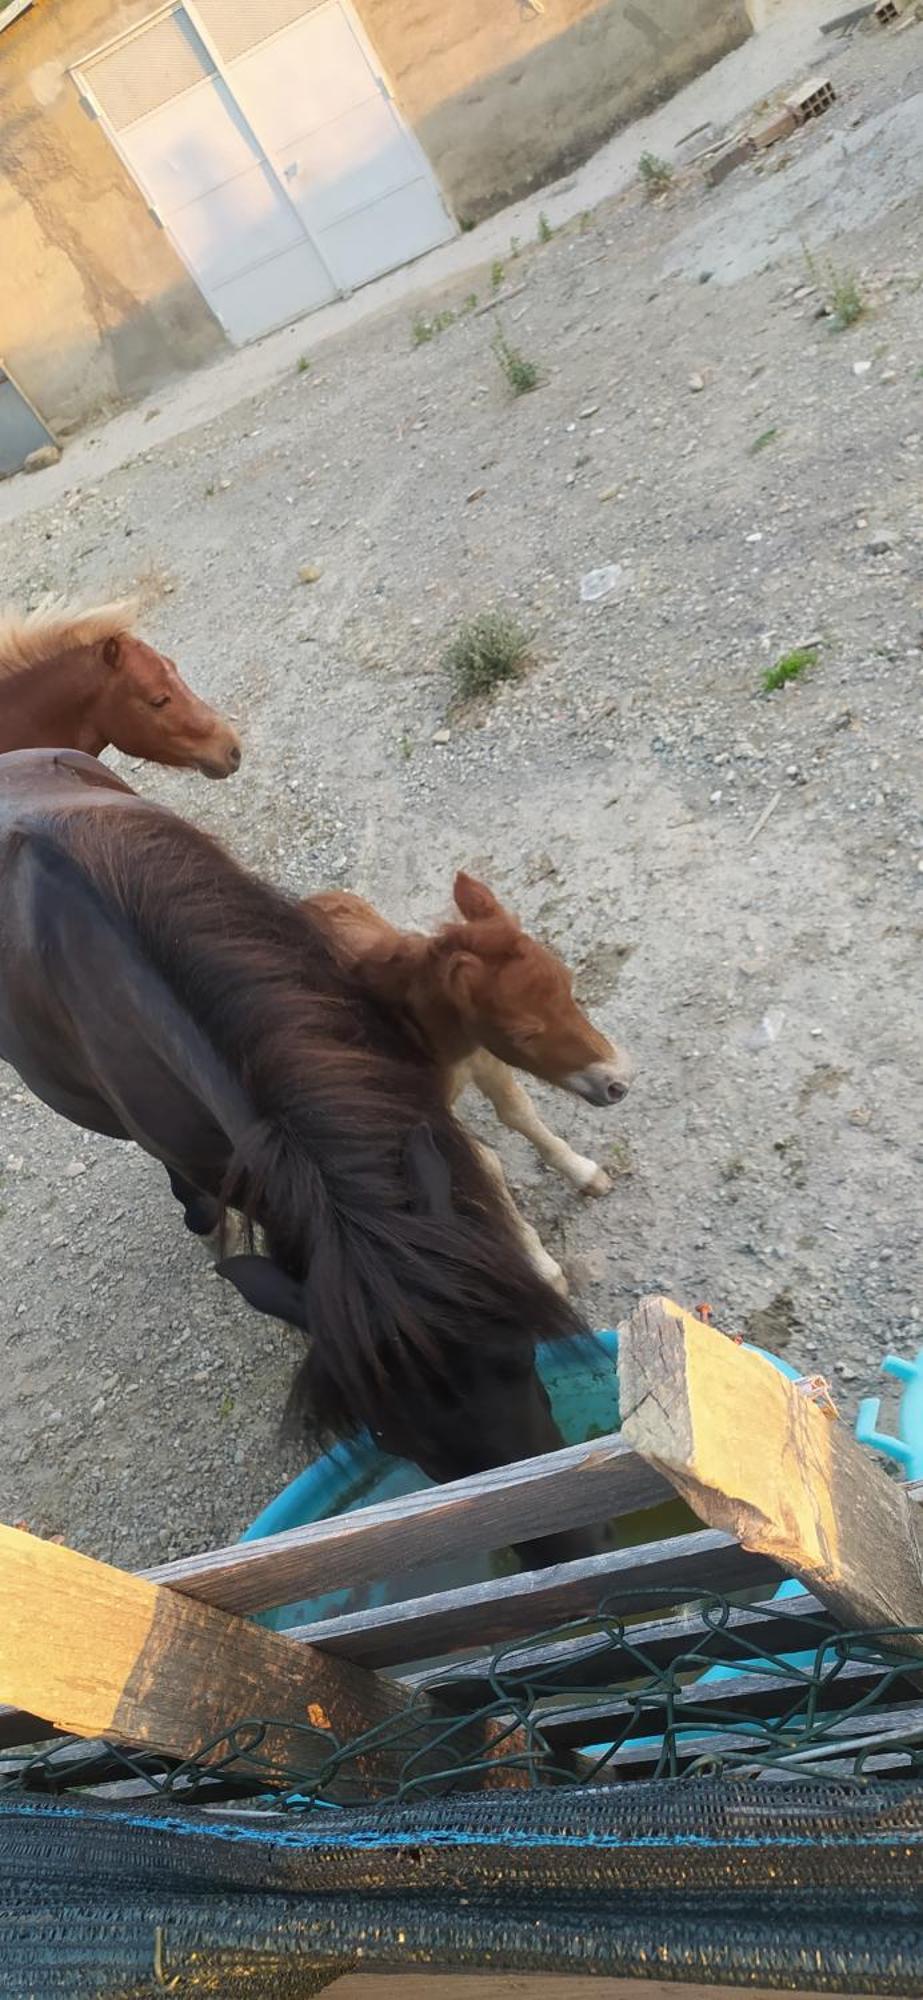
764	971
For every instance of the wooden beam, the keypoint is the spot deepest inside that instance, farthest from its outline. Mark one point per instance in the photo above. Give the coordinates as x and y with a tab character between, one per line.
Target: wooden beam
754	1456
508	1608
600	1481
100	1653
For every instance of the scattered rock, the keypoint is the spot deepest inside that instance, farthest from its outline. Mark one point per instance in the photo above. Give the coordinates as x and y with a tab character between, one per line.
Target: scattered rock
696	384
880	545
44	455
441	736
309	573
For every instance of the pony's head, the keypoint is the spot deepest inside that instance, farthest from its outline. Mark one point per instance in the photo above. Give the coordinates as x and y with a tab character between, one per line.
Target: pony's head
147	710
117	688
516	997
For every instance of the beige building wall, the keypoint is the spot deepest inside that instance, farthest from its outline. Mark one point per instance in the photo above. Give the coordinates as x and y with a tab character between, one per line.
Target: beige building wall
96	307
504	99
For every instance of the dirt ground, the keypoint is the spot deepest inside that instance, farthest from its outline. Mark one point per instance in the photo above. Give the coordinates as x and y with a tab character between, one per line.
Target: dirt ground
737	877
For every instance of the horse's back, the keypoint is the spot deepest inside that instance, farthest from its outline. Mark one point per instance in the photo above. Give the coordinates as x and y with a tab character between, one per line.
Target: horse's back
50	779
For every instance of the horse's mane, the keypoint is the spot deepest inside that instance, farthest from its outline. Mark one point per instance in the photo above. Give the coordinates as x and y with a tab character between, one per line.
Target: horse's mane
394	1287
32	638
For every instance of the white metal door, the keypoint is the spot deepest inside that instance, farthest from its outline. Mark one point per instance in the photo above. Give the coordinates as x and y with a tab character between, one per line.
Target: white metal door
204	173
355	174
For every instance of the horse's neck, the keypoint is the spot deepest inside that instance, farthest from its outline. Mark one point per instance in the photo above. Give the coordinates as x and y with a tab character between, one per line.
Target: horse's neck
53	704
418	987
399	968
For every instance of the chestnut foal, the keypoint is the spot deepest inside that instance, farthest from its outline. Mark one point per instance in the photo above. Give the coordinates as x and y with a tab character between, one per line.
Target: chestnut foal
80	680
486	998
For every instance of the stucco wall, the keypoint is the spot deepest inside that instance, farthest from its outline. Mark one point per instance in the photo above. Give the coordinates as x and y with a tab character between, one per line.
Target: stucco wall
95	306
504	99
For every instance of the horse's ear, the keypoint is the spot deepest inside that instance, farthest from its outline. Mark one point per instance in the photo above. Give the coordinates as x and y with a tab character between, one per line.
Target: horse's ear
112	650
461	973
474	899
265	1287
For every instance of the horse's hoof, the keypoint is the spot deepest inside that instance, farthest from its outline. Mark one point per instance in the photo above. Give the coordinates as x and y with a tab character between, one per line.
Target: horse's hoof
599	1182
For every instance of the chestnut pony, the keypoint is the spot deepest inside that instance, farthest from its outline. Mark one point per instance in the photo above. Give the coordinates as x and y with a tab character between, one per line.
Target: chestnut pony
152	990
484	998
82	679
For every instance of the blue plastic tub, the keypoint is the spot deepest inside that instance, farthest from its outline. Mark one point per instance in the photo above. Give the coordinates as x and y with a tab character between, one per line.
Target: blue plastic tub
582	1381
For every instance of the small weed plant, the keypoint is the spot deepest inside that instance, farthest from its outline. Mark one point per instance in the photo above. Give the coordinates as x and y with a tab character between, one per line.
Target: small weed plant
840	291
654	174
521	375
427	326
486	650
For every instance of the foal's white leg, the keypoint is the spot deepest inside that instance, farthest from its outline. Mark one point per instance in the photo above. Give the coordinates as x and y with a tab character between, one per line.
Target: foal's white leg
529	1238
516	1110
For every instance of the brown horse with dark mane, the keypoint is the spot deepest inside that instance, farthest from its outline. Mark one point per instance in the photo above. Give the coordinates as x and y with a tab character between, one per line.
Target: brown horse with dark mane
84	679
152	990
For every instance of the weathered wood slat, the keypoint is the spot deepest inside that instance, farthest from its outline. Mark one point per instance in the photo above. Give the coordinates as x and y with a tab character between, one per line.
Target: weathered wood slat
765	1696
597	1660
492	1613
101	1653
883	1727
17	1727
753	1455
585	1483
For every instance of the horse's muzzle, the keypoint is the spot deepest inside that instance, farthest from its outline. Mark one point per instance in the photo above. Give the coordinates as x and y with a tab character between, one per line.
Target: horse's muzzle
602	1083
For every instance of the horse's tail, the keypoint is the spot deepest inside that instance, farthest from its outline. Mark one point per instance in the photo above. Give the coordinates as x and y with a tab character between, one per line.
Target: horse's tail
411	1287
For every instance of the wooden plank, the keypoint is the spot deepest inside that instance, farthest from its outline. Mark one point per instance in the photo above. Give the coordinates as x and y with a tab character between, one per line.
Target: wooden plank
101	1653
510	1607
753	1455
598	1660
600	1481
420	1985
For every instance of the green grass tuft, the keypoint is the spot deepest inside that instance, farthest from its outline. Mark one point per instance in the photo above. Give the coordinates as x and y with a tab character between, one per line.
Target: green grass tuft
789	668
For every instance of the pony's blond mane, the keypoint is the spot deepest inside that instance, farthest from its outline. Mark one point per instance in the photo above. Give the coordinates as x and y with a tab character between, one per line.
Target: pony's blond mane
32	638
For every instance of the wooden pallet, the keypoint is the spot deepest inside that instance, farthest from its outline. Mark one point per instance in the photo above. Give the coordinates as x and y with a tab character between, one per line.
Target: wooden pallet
161	1661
